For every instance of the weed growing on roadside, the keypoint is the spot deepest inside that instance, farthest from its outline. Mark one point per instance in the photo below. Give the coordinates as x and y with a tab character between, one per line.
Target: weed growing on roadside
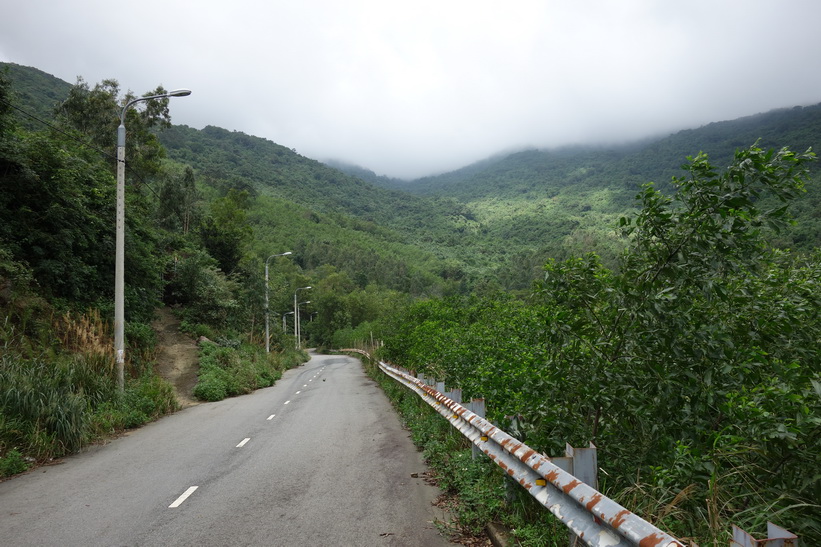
12	463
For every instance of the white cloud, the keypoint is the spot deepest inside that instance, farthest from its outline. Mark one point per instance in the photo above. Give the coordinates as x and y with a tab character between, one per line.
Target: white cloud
411	88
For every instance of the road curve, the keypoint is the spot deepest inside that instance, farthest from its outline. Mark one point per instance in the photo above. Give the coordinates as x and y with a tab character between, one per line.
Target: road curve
318	459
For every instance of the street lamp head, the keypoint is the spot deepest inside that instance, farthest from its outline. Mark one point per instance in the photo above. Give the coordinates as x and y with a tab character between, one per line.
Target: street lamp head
286	253
179	93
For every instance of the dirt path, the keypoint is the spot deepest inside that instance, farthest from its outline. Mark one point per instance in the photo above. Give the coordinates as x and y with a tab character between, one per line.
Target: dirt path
177	357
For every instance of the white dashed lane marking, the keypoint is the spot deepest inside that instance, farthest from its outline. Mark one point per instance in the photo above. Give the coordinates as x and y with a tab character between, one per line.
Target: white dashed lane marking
182	498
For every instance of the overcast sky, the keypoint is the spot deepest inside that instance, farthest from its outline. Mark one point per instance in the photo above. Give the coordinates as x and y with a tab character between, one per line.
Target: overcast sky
411	88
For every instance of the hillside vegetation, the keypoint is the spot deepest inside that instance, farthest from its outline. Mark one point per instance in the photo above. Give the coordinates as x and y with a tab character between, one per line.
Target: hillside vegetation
678	331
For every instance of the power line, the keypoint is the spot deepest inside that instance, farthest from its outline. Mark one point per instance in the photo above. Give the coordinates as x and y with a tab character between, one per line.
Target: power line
58	130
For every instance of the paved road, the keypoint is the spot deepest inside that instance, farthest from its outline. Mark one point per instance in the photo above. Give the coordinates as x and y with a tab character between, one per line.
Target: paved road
318	459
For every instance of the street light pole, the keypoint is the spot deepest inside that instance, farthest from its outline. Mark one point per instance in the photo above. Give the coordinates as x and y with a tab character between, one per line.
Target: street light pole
267	335
119	259
296	316
299	323
284	315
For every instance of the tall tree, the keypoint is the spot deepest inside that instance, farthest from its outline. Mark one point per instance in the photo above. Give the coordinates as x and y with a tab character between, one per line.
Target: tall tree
95	112
177	201
225	232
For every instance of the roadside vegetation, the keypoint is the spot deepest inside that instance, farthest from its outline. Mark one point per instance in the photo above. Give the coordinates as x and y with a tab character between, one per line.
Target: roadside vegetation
236	368
692	366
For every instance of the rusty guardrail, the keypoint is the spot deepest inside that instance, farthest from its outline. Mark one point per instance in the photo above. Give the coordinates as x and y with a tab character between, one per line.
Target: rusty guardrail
594	518
601	521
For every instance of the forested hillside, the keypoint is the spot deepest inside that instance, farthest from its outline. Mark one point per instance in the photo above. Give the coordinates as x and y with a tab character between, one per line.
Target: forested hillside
392	220
562	202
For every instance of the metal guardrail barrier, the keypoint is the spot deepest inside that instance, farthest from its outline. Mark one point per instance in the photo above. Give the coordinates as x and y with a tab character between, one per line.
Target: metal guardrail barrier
595	519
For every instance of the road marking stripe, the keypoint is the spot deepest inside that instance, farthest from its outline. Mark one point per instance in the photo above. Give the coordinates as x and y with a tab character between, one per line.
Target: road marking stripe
271	417
182	498
286	402
245	440
298	392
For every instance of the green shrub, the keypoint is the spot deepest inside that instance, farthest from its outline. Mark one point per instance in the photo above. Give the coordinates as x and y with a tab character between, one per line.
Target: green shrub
238	368
196	330
12	463
210	388
142	344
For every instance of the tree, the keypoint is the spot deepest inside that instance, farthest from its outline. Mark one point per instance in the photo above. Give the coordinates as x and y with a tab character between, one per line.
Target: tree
177	200
95	112
225	232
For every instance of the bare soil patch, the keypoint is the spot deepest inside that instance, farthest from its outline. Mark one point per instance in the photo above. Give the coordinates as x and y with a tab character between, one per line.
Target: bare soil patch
177	356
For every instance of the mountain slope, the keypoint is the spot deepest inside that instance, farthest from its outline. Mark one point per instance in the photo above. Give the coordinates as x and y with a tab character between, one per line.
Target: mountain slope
36	92
624	166
500	218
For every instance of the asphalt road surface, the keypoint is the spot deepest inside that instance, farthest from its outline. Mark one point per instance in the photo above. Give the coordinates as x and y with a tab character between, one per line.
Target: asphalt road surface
318	459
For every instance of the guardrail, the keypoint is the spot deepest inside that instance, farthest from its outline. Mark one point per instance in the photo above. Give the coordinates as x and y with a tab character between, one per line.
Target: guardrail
594	518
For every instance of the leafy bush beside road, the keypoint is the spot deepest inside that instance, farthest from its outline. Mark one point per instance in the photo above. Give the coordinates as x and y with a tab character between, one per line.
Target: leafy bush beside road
236	368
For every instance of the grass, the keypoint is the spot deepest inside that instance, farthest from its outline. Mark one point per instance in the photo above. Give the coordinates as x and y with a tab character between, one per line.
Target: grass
53	407
64	397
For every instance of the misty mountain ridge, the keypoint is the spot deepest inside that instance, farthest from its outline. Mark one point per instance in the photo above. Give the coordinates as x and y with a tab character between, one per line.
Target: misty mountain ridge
501	217
40	91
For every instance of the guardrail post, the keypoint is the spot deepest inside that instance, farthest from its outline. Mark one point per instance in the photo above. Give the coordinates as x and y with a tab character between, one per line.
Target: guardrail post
583	463
477	406
776	537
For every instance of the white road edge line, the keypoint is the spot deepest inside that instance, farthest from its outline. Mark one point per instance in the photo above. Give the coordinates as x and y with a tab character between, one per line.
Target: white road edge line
245	440
182	498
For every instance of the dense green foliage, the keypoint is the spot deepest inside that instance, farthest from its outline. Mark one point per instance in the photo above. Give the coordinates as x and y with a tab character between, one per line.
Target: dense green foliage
232	368
695	363
37	94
